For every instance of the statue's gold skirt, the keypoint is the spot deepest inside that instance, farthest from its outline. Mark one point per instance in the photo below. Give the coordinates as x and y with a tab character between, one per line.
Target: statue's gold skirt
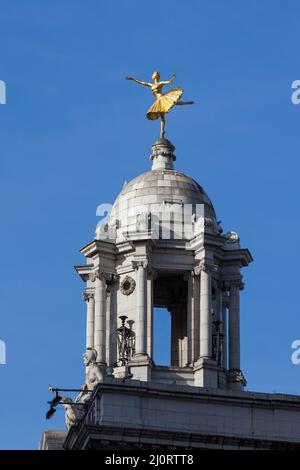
164	103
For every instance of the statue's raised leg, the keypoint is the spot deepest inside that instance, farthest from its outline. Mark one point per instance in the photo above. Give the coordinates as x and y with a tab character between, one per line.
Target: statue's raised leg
185	102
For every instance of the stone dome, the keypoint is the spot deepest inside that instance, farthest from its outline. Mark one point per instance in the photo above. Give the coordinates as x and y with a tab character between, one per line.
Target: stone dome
162	190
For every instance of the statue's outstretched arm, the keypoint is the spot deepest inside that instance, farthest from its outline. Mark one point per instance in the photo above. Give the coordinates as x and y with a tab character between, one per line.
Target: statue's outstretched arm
138	81
169	81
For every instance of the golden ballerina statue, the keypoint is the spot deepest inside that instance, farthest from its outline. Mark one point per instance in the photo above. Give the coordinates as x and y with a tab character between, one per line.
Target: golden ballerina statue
164	101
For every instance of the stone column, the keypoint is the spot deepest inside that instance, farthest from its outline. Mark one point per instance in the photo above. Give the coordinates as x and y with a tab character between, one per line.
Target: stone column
205	368
141	308
217	302
152	275
113	321
234	326
195	307
224	328
235	377
179	355
90	304
205	312
107	325
190	327
175	335
100	317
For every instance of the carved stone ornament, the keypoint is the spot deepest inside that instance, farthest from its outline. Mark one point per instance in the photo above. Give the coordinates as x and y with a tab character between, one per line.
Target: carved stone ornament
98	274
74	412
228	283
232	237
206	266
127	285
143	263
237	376
94	373
87	296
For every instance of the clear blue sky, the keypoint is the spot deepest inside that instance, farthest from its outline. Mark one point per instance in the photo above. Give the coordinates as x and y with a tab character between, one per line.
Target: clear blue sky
73	130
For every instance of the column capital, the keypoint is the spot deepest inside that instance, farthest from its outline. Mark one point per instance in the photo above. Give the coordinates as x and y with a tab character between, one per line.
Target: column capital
87	296
102	275
112	277
206	266
140	264
236	282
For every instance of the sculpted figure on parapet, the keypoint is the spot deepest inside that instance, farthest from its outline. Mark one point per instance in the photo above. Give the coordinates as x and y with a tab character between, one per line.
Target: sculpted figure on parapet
76	410
94	373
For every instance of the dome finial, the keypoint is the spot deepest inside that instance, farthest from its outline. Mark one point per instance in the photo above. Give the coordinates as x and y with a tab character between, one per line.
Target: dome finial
162	155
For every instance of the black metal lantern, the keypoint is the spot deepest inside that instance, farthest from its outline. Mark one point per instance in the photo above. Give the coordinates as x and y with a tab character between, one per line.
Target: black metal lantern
217	342
126	341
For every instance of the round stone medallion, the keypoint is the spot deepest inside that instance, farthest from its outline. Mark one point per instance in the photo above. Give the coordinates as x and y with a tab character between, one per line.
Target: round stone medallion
127	285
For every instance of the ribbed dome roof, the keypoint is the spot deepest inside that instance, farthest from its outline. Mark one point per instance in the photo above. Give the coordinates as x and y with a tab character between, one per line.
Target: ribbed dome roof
171	183
162	189
164	186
